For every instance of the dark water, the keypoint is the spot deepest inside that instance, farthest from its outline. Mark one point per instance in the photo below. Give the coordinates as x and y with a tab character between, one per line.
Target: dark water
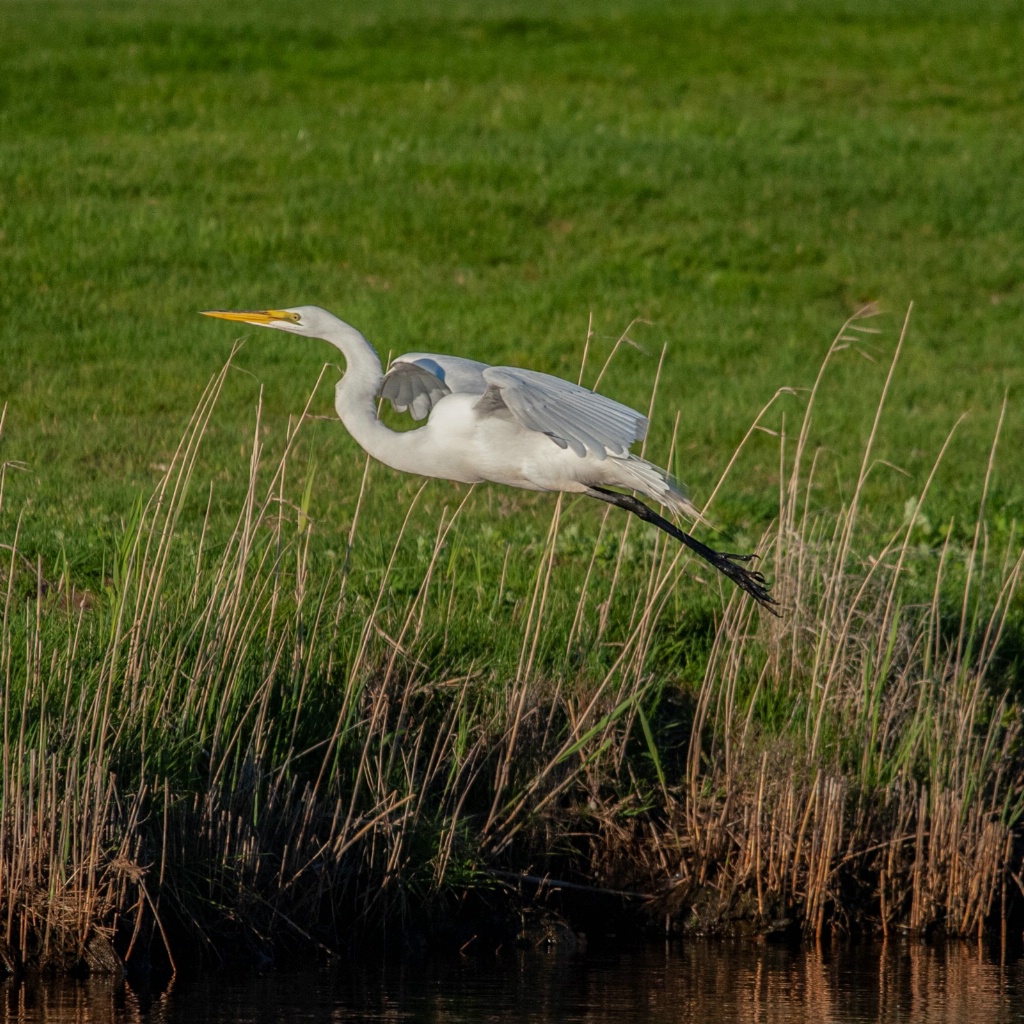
702	982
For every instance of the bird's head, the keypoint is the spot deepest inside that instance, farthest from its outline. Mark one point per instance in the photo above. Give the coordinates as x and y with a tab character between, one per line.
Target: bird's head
309	321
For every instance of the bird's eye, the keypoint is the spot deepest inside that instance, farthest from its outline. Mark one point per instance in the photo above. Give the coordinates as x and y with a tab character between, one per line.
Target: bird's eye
294	317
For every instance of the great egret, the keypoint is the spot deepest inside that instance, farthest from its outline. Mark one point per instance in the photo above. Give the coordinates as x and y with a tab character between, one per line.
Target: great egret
501	424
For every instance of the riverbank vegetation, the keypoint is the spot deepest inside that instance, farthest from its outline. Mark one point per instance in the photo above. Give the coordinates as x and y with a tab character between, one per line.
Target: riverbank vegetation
226	750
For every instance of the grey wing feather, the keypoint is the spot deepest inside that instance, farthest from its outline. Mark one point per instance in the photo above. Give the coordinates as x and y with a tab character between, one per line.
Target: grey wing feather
460	376
570	415
412	387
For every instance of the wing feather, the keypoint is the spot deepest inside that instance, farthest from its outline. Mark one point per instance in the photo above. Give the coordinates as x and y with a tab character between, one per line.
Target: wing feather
461	376
413	388
571	415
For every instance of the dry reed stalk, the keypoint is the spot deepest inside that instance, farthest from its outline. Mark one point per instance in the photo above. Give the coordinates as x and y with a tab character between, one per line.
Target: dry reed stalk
876	697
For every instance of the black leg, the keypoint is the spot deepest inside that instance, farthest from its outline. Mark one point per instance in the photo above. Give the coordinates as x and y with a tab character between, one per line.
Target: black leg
749	580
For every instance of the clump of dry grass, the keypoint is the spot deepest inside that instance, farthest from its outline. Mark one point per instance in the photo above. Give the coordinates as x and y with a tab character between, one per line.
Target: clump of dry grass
236	750
859	760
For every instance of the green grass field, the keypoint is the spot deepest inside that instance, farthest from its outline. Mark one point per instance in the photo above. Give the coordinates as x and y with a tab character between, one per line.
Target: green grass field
483	181
220	721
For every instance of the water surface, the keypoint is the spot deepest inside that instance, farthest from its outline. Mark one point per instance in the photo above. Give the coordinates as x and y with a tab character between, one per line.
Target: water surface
700	982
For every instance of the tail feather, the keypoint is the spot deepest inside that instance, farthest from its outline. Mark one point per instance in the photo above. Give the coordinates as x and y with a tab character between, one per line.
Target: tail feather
658	484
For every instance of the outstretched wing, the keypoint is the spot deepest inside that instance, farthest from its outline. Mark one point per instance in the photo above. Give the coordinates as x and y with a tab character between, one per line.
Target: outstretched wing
570	415
417	381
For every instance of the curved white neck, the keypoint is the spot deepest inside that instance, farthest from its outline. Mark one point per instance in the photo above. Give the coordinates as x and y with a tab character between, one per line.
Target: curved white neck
363	370
355	402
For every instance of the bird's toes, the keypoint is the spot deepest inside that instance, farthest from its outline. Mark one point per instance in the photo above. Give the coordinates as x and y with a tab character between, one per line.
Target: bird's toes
741	558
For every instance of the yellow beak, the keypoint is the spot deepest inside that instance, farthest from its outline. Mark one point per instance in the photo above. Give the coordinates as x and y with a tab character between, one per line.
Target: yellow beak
264	317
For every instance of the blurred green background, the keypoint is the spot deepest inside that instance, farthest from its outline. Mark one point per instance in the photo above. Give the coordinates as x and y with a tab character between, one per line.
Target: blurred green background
484	178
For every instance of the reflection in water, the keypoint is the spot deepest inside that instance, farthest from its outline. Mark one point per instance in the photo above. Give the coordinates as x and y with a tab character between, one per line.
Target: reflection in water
705	982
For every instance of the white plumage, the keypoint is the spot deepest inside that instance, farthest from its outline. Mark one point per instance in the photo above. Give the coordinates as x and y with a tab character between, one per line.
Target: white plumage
501	424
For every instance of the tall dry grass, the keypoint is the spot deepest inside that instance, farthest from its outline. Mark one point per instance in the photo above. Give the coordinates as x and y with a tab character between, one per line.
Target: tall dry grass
861	759
224	751
229	750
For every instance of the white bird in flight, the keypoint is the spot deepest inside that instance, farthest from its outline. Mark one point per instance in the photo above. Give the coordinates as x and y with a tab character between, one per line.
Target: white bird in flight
501	424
